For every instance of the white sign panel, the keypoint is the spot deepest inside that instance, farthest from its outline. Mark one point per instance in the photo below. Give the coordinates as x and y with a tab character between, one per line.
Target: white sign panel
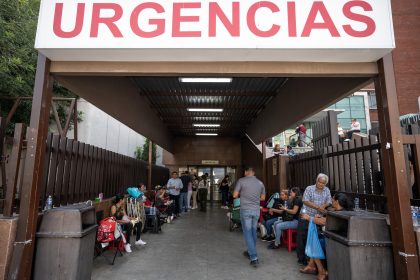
282	30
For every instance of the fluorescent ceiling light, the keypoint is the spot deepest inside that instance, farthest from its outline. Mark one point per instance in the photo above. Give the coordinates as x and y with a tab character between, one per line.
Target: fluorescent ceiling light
204	110
206	125
206	134
205	80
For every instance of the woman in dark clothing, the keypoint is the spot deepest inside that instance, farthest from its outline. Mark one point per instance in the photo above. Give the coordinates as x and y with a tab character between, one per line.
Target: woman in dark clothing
224	189
118	211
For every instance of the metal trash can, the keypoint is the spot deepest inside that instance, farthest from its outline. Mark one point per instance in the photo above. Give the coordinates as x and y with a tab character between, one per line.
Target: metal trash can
65	243
359	246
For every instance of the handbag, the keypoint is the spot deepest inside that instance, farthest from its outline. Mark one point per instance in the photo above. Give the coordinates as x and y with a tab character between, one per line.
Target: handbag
313	245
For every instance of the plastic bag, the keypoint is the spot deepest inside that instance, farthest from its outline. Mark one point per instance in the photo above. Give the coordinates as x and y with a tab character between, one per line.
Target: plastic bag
313	246
134	192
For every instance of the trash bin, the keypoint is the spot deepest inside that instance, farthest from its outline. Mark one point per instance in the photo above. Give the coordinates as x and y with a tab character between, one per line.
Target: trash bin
358	246
65	243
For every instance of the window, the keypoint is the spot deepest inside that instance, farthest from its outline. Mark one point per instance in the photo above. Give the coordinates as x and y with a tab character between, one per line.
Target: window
372	100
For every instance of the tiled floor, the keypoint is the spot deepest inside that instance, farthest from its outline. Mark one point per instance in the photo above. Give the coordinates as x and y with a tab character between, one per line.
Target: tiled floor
198	246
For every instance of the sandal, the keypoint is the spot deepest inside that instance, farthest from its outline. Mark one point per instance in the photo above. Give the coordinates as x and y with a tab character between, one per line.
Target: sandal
308	270
322	276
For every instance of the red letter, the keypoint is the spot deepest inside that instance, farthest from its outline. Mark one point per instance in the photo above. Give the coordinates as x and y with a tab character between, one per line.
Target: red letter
370	24
108	21
159	23
250	18
327	24
177	19
291	18
232	27
58	16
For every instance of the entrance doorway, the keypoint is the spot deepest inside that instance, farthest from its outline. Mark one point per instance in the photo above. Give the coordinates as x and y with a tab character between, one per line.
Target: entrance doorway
216	175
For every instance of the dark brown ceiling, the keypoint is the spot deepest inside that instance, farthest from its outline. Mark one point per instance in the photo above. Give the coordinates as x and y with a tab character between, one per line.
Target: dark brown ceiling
242	100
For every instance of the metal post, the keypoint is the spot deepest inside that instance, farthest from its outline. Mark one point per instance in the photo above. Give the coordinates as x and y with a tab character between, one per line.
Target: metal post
21	262
394	169
149	175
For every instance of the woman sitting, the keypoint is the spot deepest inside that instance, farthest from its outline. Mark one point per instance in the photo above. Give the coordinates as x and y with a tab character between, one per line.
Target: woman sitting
290	217
127	224
340	202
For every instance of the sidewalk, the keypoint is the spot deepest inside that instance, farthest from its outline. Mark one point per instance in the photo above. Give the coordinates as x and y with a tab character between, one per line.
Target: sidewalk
198	246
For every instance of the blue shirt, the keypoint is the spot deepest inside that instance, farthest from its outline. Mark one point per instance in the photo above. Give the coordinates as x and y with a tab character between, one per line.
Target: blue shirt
174	186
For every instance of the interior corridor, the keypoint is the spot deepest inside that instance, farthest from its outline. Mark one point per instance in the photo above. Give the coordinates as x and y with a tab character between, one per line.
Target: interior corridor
198	246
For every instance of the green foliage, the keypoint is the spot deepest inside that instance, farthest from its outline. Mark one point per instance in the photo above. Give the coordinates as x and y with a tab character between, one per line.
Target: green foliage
142	153
18	22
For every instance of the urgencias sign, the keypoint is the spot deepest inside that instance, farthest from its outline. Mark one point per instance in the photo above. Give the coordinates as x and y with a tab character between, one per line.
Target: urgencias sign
299	30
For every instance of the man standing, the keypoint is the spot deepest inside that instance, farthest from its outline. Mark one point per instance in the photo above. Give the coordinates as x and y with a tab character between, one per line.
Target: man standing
252	191
315	200
174	186
185	178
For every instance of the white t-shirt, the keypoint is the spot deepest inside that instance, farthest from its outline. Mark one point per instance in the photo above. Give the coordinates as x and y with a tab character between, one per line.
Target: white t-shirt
340	131
355	126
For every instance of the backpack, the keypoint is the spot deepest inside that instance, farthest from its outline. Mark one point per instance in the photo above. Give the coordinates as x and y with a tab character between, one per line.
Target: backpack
106	230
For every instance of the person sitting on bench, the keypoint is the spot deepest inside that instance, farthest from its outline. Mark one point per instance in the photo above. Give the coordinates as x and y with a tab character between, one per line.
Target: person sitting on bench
127	225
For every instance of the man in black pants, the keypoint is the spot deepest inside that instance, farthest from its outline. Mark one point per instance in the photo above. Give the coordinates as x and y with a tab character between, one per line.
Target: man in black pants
315	200
174	186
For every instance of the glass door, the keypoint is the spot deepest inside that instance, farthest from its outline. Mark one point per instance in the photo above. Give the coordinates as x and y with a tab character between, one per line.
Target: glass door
216	175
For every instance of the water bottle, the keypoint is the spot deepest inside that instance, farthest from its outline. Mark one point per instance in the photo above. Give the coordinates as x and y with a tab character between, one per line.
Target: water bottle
285	204
356	204
417	216
49	203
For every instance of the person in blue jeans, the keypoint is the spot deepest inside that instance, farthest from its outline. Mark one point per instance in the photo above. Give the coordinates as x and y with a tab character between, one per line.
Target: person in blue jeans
290	217
275	215
251	191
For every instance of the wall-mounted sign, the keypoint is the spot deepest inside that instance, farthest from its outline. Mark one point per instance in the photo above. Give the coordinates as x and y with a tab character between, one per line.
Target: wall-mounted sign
209	162
280	30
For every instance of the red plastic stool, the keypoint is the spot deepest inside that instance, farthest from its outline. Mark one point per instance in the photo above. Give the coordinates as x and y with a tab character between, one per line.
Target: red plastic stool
288	237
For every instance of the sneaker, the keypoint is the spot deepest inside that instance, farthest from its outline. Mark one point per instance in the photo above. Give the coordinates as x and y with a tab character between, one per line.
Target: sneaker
127	248
140	242
254	263
268	238
273	246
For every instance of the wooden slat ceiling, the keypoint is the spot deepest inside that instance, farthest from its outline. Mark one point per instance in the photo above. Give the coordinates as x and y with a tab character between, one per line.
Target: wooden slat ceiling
242	100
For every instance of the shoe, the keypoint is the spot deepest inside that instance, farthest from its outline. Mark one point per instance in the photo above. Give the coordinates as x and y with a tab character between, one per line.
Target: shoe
302	262
254	263
140	242
127	248
322	276
268	238
273	246
308	270
245	253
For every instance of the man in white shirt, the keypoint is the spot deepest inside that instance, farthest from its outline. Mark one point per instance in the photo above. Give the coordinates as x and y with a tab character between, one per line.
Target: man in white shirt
355	127
174	186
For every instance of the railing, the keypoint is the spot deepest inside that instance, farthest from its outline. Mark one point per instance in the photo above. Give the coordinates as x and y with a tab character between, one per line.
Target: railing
75	172
296	135
353	168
